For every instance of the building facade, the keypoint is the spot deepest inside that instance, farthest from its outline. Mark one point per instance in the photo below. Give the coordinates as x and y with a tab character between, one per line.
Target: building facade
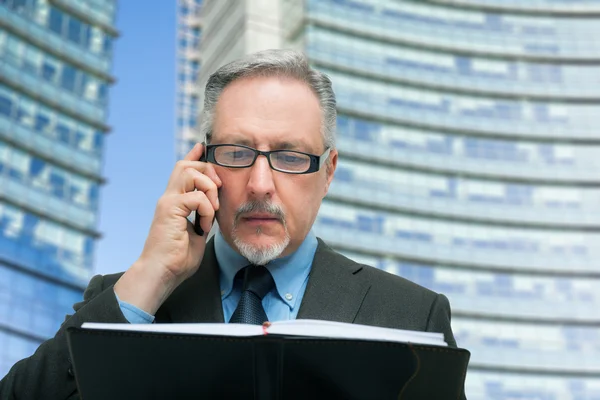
189	30
55	62
469	144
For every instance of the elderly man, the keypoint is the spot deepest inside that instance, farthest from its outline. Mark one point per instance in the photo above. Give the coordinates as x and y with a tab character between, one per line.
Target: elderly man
269	158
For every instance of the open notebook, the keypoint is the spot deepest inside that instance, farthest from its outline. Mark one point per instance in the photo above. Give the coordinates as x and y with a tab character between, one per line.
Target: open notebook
299	327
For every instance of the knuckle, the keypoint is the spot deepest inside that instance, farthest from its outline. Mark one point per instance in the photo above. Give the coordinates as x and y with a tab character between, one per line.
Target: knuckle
162	204
180	164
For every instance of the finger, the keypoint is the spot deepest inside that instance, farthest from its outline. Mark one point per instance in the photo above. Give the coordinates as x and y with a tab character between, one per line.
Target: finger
186	203
181	173
202	167
195	153
193	179
212	174
205	211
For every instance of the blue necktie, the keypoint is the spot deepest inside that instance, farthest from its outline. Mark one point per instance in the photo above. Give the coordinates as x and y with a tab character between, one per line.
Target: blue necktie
257	283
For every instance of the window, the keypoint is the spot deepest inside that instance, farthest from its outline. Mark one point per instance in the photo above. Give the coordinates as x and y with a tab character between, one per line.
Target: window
5	105
49	71
74	30
58	185
69	78
87	36
32	60
79	137
56	21
25	112
107	45
102	92
93	198
36	166
41	123
64	133
82	84
98	142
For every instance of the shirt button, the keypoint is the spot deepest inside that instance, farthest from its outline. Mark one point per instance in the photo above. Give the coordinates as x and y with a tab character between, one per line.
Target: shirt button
288	296
222	292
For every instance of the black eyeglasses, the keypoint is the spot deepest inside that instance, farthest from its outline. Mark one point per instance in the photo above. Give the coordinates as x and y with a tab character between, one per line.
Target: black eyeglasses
240	156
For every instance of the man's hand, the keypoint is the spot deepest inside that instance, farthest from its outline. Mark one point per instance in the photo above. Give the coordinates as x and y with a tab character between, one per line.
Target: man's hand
173	251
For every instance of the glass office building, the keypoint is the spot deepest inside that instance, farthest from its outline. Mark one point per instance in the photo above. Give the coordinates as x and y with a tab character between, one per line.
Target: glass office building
188	64
55	62
469	144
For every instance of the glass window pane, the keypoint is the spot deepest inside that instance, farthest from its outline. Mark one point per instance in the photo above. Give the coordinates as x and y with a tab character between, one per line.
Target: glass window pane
6	105
68	78
74	31
56	20
51	69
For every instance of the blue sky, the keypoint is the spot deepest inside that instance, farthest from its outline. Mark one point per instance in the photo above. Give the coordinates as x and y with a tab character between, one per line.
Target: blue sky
139	152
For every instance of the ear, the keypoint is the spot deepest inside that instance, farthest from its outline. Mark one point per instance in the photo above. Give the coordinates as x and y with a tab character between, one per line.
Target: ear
330	167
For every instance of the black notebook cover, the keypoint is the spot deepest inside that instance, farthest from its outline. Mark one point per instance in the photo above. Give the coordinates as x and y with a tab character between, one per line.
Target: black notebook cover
117	365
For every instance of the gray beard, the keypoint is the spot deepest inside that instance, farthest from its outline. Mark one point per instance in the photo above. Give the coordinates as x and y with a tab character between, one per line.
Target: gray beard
261	256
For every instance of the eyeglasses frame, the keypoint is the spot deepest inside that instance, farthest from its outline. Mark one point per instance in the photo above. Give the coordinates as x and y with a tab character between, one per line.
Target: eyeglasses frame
316	162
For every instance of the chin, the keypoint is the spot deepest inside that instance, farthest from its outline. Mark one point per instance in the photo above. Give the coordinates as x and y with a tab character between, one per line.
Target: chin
259	248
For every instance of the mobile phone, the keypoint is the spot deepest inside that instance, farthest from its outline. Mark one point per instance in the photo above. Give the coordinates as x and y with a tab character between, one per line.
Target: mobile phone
197	227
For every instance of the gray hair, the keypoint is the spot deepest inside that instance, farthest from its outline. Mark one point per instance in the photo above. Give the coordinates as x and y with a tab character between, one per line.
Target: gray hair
276	62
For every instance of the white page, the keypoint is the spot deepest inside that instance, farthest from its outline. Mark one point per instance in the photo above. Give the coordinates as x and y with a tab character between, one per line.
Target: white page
340	330
302	327
204	329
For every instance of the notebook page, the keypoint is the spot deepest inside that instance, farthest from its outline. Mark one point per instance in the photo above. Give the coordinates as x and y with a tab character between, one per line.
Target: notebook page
340	330
199	329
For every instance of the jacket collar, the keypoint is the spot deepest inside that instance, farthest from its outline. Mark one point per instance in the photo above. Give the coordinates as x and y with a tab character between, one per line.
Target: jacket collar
335	290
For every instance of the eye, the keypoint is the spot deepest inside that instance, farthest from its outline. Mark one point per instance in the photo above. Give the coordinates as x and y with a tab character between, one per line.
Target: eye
238	154
290	159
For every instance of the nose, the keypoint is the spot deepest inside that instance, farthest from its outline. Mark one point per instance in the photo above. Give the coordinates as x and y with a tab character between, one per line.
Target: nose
260	183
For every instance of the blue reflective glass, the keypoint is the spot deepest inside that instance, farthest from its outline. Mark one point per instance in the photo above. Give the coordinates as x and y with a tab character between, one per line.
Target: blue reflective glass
56	20
41	122
36	166
5	105
102	92
58	185
64	133
107	45
98	141
48	72
68	78
74	30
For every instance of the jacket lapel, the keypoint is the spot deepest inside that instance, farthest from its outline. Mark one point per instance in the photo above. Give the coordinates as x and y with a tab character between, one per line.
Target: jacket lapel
335	288
334	292
197	299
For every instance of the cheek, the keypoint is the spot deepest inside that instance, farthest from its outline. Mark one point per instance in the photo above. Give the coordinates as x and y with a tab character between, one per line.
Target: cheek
230	198
302	200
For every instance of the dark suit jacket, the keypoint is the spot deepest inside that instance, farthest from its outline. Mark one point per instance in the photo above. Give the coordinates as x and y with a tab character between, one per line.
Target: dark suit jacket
338	289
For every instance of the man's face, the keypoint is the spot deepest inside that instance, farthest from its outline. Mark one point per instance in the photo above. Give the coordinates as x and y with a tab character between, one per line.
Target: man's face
269	113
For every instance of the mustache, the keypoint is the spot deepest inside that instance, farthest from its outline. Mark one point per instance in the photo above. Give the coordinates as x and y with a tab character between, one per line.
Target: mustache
259	206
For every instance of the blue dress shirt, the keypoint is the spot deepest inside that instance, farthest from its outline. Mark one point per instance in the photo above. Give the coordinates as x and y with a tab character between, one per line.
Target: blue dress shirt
290	274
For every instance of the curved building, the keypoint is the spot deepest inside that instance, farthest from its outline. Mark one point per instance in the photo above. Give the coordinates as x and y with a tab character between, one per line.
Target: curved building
469	145
189	31
55	61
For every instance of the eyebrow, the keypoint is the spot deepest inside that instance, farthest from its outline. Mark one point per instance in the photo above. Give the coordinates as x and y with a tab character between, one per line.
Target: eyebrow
282	145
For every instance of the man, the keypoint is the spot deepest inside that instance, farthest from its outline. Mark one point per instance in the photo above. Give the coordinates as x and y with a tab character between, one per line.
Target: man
269	121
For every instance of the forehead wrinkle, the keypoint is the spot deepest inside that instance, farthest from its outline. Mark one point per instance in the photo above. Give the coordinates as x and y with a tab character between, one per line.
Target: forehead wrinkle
242	118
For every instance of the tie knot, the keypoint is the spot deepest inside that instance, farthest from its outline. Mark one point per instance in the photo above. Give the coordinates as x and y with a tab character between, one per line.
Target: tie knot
258	280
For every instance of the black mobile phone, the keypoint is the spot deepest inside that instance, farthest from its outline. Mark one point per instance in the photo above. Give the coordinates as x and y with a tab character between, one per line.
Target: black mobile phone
197	227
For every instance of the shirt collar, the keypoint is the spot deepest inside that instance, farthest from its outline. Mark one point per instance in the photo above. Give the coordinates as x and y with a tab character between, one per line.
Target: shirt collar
289	272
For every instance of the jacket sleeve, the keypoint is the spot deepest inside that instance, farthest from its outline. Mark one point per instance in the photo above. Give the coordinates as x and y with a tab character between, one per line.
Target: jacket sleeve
439	321
48	373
